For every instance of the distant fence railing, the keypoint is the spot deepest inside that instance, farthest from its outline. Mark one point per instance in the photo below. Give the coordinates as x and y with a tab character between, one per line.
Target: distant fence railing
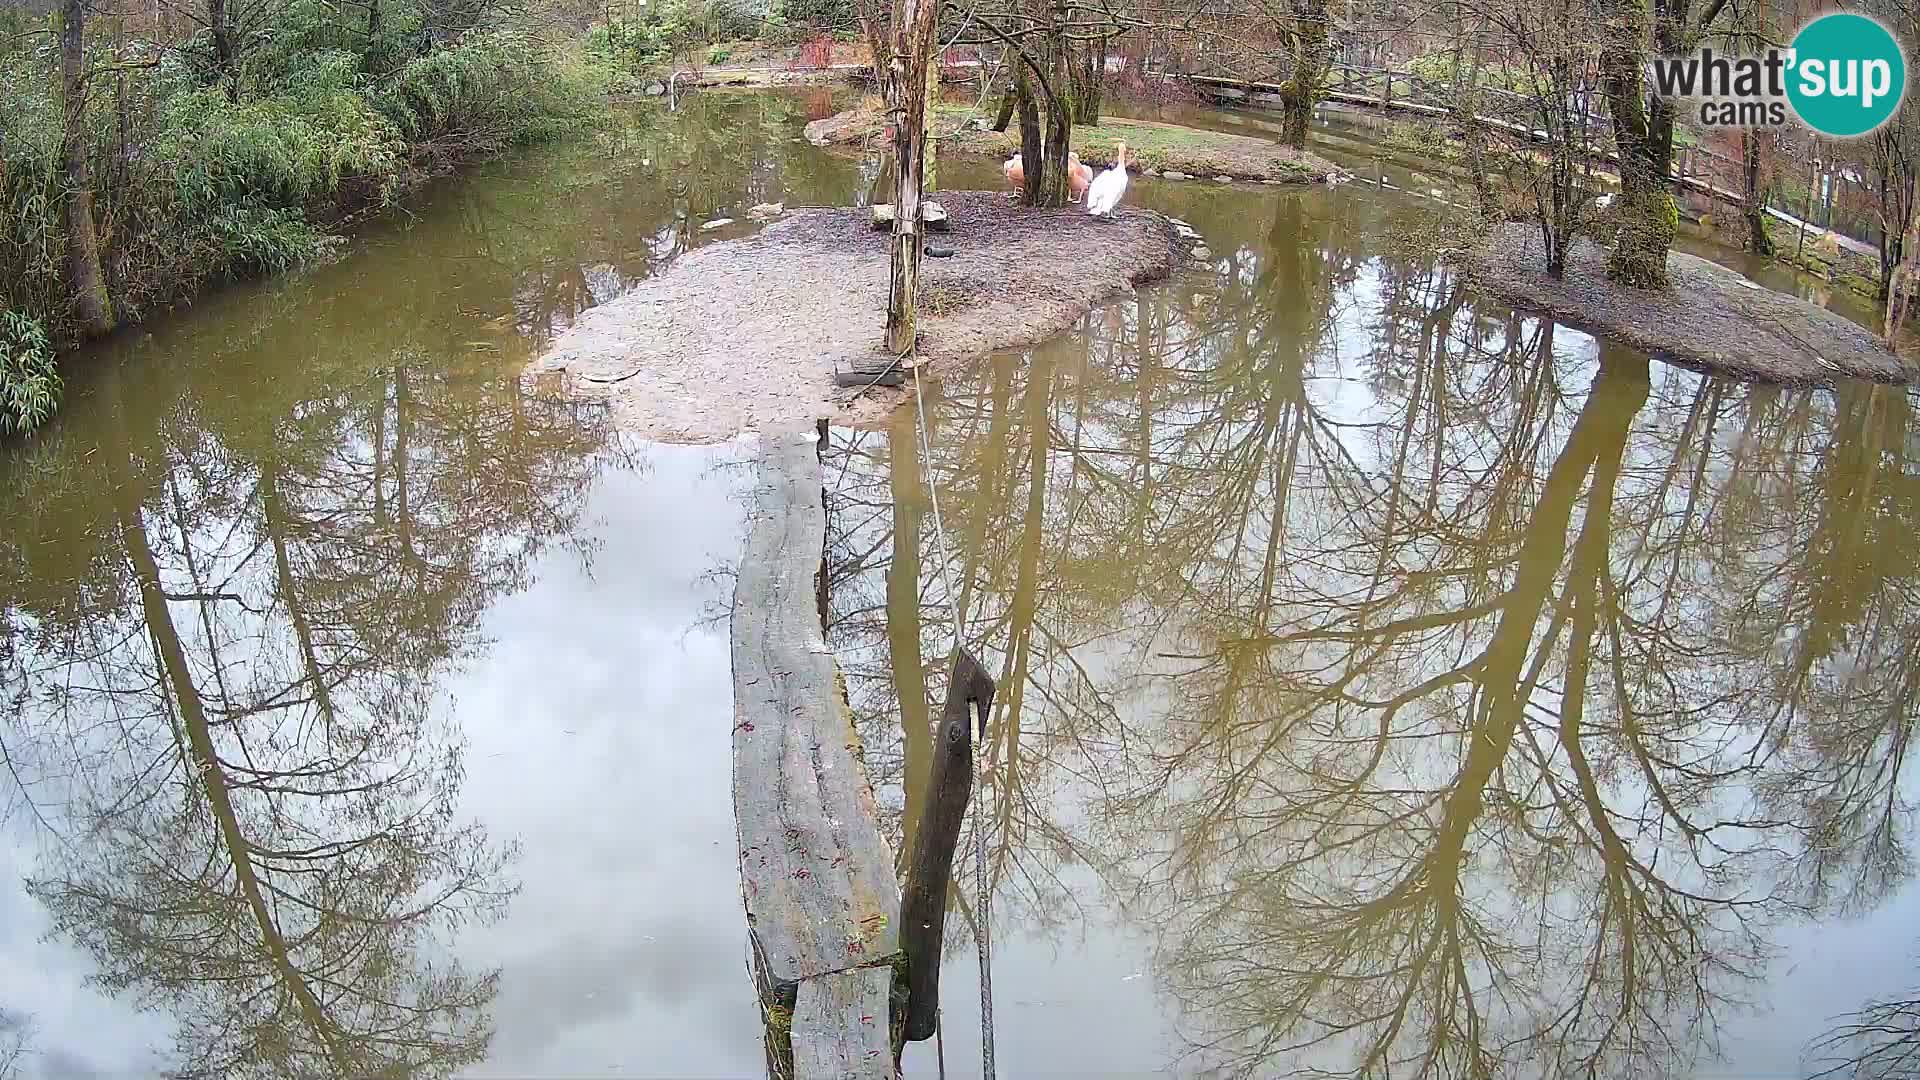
1695	168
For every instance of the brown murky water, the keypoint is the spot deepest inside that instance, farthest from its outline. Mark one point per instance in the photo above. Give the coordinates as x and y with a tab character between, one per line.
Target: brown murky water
1389	682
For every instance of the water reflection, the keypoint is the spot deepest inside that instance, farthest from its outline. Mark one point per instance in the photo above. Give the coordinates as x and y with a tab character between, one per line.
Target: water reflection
233	586
1445	697
223	660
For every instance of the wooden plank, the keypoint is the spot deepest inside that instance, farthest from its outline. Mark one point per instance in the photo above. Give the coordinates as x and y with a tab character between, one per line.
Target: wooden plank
840	1026
818	875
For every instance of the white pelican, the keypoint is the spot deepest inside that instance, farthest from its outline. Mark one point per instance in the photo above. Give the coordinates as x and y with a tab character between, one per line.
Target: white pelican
1103	197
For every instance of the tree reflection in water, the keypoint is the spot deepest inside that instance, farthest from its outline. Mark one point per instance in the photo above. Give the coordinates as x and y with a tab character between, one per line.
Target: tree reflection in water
225	639
1448	699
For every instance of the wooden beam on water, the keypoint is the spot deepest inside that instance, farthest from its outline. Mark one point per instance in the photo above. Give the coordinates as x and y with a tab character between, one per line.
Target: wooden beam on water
822	904
840	1025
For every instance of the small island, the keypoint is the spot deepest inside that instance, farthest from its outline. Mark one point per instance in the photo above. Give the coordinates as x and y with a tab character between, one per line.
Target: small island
1169	150
748	334
1709	318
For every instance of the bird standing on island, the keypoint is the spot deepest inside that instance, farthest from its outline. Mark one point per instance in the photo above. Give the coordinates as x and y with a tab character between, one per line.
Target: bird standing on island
1079	178
1103	198
1078	175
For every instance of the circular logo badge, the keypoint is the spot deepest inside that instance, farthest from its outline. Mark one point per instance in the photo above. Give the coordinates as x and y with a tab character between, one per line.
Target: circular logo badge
1848	74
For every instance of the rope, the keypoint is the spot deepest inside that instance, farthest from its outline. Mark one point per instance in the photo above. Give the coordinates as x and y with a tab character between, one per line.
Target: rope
982	935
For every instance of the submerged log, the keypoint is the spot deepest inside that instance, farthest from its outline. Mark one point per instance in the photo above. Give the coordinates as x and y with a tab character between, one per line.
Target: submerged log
923	903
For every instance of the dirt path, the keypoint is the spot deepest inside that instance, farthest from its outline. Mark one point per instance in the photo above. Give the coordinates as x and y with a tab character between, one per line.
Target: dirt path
746	335
1711	319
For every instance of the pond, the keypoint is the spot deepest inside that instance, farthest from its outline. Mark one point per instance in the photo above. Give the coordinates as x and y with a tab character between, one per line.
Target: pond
1391	684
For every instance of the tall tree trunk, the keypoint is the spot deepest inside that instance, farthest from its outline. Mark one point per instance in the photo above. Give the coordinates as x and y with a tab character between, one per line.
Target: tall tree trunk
1648	216
1302	91
92	307
1753	195
907	98
1033	160
1053	185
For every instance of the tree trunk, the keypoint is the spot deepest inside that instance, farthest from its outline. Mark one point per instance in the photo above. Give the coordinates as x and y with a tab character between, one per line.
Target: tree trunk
221	20
1754	196
1302	91
92	306
873	22
1033	160
1009	97
1093	96
907	100
1648	216
1088	69
930	159
1053	185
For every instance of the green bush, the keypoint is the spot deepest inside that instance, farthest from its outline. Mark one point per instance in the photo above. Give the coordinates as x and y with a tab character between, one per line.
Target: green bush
29	385
818	14
642	46
1436	69
491	90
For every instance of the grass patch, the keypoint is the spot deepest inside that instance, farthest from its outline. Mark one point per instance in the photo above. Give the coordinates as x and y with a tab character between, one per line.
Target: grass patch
1150	145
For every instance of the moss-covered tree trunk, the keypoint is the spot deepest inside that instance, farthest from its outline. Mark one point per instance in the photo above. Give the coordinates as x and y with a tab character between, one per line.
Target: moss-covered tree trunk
1301	92
1053	185
1010	96
1084	88
1033	159
92	306
1648	216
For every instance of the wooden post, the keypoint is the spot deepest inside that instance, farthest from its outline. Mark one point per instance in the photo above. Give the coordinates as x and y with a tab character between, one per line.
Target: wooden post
923	904
907	102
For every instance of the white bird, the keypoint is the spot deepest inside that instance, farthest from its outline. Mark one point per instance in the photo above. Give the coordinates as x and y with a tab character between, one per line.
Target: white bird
1107	189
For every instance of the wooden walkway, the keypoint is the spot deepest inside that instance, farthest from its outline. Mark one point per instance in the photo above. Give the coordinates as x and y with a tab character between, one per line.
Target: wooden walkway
823	906
1351	85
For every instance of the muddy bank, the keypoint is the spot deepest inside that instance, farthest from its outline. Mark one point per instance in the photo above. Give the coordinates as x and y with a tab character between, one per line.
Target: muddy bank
1711	319
747	334
1179	153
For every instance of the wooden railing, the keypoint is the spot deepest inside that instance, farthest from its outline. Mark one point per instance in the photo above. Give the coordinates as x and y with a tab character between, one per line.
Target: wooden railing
1504	110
